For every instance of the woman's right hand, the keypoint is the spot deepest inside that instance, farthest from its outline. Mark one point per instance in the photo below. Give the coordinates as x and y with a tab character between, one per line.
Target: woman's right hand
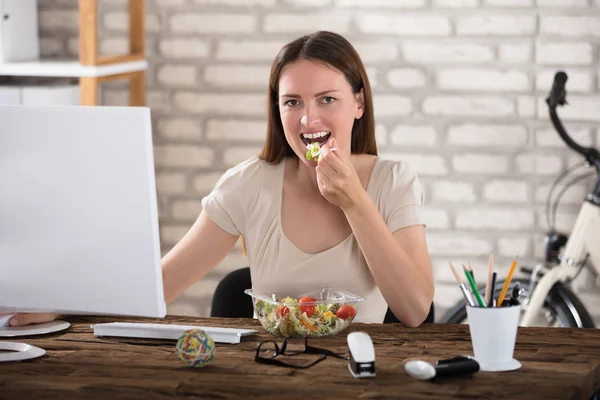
31	318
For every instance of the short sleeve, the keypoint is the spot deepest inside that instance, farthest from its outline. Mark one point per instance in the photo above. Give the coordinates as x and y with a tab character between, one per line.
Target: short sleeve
234	196
402	197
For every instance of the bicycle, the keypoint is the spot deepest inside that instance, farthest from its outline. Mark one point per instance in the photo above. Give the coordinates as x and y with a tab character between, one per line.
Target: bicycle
545	293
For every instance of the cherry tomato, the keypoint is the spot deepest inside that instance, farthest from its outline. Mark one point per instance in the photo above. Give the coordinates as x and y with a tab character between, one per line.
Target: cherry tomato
282	310
308	309
345	312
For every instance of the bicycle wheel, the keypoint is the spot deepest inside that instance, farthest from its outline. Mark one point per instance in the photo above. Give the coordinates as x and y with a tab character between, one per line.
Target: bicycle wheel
561	308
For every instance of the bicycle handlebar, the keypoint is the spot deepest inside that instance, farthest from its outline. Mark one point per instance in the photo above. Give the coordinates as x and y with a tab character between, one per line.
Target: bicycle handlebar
557	97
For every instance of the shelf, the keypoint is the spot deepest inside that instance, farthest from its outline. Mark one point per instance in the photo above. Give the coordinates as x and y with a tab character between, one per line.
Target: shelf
69	69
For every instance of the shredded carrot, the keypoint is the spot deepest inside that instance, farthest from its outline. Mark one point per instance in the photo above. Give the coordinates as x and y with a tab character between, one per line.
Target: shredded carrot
306	324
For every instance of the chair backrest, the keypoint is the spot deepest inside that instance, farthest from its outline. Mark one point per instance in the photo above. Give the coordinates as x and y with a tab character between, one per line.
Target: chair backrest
230	301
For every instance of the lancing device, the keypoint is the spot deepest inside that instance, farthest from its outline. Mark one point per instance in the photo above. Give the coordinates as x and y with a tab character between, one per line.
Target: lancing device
457	366
362	355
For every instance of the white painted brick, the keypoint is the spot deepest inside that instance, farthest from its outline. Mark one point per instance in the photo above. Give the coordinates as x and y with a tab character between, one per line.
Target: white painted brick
180	128
453	191
380	3
580	108
237	76
170	183
168	3
573	196
156	100
381	135
235	155
248	50
114	46
504	190
51	47
391	105
565	220
308	3
236	130
508	3
579	80
177	75
575	26
482	106
563	53
487	135
526	106
457	244
295	23
184	48
495	218
548	137
538	164
562	3
480	164
421	164
511	246
170	234
73	46
186	210
515	52
405	25
436	218
195	300
221	104
420	135
244	3
428	52
372	76
212	23
483	25
404	78
119	21
476	79
58	20
455	3
376	52
446	295
182	156
205	183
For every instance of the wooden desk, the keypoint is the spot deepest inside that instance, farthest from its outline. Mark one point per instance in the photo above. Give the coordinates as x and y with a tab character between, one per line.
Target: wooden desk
557	364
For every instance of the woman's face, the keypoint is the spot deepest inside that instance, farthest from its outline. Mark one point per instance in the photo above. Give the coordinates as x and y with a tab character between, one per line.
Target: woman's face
316	103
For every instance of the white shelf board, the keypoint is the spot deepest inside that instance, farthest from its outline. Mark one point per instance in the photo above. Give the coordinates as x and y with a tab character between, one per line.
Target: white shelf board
68	69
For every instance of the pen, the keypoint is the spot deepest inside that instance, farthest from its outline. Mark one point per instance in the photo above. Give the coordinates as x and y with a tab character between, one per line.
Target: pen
491	290
507	282
462	286
489	287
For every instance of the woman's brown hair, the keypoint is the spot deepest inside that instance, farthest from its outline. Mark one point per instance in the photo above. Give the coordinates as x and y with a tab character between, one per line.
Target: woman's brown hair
333	50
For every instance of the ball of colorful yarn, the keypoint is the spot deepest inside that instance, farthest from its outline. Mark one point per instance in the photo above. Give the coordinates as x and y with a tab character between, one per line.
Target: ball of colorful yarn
195	348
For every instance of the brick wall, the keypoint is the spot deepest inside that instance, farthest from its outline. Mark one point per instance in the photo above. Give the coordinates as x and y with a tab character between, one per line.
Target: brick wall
459	88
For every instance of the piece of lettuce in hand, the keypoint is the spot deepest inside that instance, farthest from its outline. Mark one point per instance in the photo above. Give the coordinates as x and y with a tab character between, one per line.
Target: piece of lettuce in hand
313	150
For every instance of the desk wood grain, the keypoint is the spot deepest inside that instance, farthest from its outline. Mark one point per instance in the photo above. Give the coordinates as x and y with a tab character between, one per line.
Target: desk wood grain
558	363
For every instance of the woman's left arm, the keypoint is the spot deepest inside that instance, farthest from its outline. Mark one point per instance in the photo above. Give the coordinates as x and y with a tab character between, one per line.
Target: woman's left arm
399	261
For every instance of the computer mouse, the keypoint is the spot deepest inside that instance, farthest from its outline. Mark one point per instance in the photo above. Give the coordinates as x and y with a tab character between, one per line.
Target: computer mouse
420	369
5	319
362	355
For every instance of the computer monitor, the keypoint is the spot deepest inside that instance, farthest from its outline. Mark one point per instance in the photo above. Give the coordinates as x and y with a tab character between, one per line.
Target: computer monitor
78	212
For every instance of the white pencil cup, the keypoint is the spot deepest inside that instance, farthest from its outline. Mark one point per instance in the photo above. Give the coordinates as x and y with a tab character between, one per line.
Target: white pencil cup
493	335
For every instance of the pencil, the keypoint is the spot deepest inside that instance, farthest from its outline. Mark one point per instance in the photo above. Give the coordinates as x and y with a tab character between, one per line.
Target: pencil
471	269
474	287
463	288
513	267
489	289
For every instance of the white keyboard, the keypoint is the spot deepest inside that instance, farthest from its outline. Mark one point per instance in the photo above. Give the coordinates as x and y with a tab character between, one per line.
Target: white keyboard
164	331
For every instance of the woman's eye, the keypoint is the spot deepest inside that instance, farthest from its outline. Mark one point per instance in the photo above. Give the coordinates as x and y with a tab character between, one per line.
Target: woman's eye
328	99
291	103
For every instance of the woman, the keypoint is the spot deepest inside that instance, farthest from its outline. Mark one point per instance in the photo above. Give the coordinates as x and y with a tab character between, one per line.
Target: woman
348	218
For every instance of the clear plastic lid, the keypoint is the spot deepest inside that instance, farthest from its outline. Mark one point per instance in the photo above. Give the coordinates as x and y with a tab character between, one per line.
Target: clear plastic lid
323	294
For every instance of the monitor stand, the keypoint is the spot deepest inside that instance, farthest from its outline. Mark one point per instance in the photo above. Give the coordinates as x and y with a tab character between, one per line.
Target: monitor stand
34	329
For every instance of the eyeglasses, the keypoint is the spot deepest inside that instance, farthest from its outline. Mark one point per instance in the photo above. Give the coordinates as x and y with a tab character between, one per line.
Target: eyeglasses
269	349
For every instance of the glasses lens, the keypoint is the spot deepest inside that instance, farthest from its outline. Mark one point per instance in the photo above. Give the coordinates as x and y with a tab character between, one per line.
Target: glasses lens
294	346
267	349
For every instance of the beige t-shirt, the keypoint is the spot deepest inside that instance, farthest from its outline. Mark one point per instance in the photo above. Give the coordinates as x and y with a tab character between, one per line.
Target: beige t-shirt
247	200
